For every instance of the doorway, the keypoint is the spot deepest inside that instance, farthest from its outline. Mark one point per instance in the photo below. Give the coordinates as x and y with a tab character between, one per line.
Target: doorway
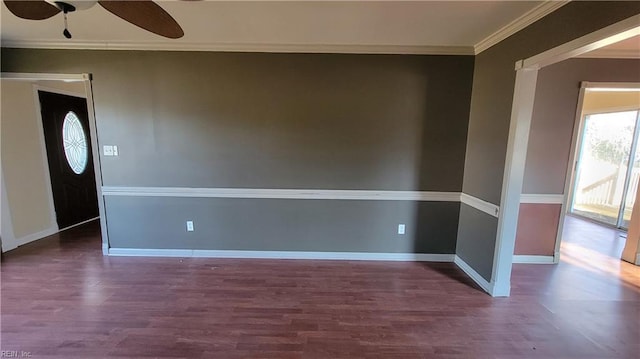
28	209
520	122
65	122
608	164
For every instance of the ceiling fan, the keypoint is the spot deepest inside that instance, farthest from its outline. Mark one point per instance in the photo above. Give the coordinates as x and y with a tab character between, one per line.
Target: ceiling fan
142	13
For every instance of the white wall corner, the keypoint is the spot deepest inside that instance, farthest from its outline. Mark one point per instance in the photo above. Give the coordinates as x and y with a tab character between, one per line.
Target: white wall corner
501	290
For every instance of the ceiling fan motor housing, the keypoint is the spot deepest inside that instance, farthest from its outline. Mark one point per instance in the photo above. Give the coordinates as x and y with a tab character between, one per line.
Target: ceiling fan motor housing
71	5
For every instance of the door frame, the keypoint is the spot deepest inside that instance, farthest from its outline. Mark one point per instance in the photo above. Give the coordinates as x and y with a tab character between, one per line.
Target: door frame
521	114
86	79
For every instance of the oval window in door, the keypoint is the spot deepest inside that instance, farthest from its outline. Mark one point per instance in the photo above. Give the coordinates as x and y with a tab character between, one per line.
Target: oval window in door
75	143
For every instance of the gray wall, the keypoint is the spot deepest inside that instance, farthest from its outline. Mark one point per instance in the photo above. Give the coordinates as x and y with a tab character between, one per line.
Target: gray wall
283	225
274	120
23	163
492	96
379	122
554	114
482	228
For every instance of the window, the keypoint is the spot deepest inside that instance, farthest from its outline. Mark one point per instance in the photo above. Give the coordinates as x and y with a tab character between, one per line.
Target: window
75	143
608	168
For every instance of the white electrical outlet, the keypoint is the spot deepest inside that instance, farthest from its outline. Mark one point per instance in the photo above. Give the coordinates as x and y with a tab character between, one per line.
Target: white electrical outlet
189	226
401	228
115	150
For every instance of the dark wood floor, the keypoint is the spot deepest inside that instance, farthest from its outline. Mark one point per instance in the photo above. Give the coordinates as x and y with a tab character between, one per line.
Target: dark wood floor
61	298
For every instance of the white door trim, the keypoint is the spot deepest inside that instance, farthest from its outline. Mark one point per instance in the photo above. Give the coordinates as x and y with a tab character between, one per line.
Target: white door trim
95	147
600	38
524	94
521	114
576	143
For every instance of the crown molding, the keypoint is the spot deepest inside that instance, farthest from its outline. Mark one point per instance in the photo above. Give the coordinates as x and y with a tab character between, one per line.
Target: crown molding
520	23
234	47
511	28
612	54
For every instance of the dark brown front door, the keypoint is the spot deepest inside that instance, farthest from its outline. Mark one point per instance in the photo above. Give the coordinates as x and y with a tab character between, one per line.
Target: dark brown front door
66	133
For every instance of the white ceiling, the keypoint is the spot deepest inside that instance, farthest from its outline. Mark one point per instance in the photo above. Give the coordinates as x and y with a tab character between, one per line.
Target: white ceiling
453	25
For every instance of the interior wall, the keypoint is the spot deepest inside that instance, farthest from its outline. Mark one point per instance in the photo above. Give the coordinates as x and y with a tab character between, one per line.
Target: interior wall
26	179
276	121
552	127
22	162
554	114
491	101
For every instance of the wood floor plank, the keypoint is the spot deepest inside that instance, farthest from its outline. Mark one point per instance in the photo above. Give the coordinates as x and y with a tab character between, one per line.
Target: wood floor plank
62	299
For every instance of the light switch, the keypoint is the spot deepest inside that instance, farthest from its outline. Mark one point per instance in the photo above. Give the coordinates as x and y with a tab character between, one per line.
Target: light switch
115	150
108	150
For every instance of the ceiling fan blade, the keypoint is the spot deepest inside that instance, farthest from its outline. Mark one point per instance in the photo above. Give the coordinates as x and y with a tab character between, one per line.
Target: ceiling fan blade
31	10
145	14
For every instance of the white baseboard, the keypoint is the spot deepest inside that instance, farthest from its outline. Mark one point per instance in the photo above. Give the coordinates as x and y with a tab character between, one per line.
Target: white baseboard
488	287
79	224
135	252
32	237
202	253
527	259
10	243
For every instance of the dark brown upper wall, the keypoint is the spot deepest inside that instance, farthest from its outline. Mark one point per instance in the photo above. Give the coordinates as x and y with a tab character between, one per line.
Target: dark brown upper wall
199	119
554	112
494	80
